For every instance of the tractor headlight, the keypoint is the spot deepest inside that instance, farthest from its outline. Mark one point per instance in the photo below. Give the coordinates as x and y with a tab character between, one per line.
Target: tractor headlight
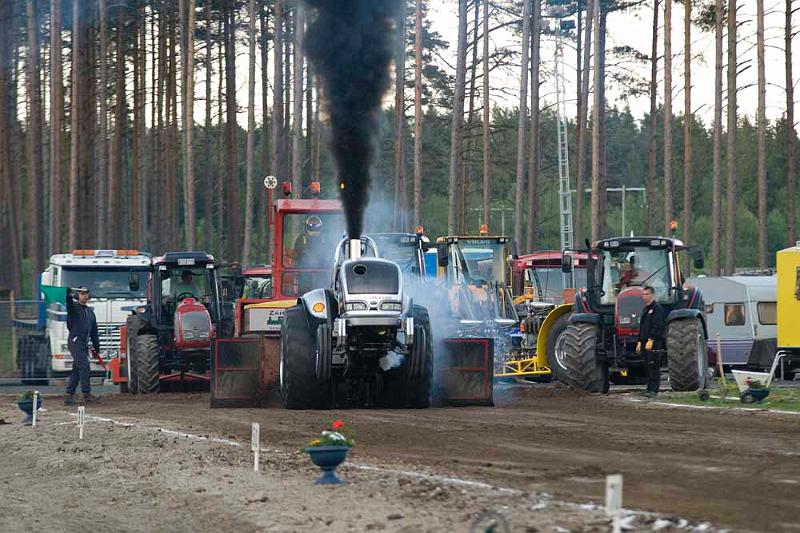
391	306
188	335
356	306
204	335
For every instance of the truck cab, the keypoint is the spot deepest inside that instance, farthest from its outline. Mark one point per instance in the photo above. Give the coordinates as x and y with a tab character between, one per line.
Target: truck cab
116	280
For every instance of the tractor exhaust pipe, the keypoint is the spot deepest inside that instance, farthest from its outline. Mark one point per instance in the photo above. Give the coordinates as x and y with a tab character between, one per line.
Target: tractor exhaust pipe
355	249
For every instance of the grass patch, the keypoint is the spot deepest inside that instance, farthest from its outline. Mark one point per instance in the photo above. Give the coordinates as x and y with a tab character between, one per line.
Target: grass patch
782	399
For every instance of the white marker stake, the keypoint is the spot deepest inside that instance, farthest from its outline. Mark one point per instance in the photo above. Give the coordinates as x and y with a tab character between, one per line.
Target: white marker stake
35	403
81	415
614	500
255	439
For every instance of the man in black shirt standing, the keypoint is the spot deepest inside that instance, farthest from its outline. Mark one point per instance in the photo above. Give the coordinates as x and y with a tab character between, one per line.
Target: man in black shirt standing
652	335
82	326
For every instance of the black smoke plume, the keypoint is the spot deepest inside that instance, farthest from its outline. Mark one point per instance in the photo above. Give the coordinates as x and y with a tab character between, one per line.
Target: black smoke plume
350	43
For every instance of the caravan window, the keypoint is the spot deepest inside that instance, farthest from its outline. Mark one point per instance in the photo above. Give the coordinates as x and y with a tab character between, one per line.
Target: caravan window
767	313
734	314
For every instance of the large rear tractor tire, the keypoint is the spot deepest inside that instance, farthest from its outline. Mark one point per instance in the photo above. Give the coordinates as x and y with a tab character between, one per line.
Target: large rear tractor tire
555	349
687	356
133	325
583	370
148	356
300	388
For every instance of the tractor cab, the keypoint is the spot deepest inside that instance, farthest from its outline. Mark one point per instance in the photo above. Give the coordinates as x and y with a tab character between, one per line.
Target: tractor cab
182	279
620	268
406	250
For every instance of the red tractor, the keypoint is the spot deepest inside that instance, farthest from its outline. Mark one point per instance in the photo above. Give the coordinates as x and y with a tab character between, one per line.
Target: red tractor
169	339
601	336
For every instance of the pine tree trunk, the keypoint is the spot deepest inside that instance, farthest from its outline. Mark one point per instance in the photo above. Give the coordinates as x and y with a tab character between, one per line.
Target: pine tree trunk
487	132
34	170
687	128
188	24
401	199
10	264
56	126
583	138
595	205
118	167
232	198
457	125
103	173
534	155
762	139
266	168
790	164
651	134
208	222
278	146
418	112
730	229
288	37
716	195
667	115
138	120
219	167
251	134
522	126
172	130
602	219
297	101
75	137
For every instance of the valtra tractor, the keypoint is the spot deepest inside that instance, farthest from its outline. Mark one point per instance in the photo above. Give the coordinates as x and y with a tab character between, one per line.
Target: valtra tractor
601	336
359	341
169	339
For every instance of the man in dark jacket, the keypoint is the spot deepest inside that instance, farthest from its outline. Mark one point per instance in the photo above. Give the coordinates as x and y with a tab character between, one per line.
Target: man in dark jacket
82	326
652	335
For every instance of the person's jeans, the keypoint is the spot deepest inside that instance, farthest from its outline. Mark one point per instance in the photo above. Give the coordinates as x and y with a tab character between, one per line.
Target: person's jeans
652	362
80	368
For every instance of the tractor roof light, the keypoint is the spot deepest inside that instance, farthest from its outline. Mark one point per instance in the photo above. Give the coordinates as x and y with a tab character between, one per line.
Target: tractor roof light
83	253
314	188
419	230
484	229
127	253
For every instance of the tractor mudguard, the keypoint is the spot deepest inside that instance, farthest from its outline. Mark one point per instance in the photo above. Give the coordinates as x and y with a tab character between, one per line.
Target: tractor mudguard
551	318
679	314
584	318
316	304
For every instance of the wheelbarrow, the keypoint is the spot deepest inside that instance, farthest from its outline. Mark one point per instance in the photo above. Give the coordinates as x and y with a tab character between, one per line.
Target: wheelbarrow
754	386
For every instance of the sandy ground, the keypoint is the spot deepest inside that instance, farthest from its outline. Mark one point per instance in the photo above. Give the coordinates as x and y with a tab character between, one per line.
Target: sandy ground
539	459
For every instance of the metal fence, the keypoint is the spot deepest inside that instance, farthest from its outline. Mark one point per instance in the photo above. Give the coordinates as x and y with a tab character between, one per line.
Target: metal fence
27	355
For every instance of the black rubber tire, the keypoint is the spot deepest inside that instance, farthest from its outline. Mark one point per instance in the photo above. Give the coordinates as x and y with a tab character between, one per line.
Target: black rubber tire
685	354
300	388
133	325
410	385
324	352
555	342
584	371
148	358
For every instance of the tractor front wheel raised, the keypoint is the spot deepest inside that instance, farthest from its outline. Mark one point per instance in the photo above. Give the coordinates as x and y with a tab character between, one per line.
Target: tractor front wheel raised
687	356
583	370
300	388
147	359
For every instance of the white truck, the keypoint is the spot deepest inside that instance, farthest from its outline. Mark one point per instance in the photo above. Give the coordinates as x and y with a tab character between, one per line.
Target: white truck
117	281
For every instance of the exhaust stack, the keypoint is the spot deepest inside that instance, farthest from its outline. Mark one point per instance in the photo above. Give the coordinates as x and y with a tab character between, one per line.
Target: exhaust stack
355	248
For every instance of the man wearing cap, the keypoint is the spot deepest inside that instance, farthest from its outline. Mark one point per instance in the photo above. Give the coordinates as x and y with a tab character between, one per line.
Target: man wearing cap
82	326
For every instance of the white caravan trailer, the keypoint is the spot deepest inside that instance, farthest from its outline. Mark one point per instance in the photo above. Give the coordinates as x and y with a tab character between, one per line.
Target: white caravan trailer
743	311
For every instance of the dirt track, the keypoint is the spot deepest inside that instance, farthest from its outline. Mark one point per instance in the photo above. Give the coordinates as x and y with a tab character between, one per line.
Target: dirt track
733	469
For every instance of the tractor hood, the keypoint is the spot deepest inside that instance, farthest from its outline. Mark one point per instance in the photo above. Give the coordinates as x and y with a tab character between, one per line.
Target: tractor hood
628	310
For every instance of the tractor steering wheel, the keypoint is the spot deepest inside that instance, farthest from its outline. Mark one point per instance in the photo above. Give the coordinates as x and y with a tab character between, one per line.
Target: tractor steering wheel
183	295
